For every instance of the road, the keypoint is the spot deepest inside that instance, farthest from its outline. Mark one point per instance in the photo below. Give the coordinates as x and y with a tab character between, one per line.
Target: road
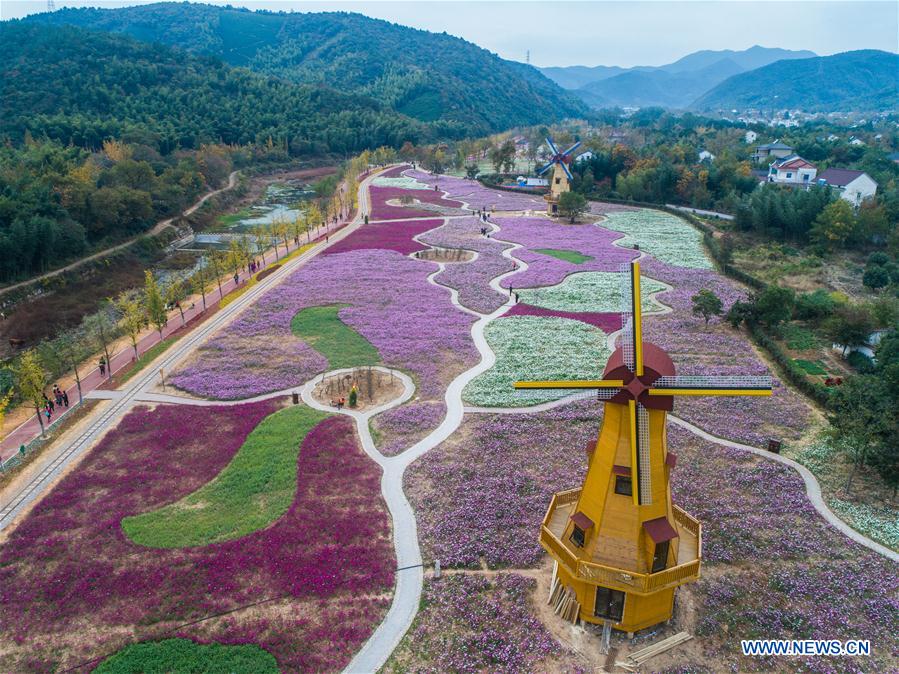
161	225
102	419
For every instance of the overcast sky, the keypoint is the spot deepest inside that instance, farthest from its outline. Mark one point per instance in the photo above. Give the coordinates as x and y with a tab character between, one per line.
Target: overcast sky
607	33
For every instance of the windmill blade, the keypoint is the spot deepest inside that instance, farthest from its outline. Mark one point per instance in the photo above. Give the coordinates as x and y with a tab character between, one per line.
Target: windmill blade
567	171
572	148
552	146
637	318
626	340
641	468
545	169
570	384
711	385
567	394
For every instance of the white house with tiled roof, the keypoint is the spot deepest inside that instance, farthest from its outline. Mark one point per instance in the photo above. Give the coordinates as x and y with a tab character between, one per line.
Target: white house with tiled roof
792	170
853	186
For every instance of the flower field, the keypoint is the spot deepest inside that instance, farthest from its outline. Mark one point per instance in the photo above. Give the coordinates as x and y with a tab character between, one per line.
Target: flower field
773	566
471	279
535	347
667	237
390	304
74	587
399	428
473	624
400	182
607	322
476	196
381	210
541	233
386	235
718	349
252	491
596	291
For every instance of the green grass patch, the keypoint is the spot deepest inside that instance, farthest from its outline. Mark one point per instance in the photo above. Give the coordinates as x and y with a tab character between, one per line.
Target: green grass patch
183	655
146	358
799	338
811	367
322	329
568	255
252	491
231	219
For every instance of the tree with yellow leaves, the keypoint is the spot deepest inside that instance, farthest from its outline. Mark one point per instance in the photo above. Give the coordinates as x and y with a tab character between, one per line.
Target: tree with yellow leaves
116	150
30	380
132	319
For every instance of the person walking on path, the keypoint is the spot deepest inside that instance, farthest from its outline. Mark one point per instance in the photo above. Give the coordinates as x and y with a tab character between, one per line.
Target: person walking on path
102	366
65	398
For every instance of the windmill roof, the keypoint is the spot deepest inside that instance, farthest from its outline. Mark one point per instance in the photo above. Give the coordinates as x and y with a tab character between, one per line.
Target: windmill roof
839	177
660	530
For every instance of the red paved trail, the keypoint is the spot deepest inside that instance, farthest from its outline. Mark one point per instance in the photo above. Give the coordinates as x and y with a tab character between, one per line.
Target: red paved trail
92	379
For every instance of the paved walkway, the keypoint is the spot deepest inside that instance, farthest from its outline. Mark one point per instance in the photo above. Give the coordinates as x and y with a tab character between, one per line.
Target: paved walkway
92	379
99	421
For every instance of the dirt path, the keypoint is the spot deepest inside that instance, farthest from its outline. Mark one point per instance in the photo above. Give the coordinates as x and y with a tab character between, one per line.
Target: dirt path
157	229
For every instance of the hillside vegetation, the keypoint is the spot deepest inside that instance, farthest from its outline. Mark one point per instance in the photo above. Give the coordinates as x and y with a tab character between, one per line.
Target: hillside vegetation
857	80
432	77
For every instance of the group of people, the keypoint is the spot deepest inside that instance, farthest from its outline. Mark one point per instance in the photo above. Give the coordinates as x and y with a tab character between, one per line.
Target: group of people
60	399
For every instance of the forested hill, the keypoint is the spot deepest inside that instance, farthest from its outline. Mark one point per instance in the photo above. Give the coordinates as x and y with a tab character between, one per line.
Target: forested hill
432	77
864	80
82	87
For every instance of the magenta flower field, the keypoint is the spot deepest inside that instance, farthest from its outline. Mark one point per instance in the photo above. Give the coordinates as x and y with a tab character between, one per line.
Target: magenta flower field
73	587
408	320
542	232
386	235
607	322
381	210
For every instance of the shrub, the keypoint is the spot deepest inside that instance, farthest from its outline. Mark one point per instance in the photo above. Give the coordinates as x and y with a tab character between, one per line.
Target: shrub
860	362
876	277
877	259
815	305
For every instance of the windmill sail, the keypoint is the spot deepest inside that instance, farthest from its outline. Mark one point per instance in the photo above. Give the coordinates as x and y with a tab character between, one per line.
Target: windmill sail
643	460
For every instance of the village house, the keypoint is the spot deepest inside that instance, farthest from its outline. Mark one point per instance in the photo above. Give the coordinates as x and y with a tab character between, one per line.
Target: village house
853	186
792	170
706	156
750	137
776	150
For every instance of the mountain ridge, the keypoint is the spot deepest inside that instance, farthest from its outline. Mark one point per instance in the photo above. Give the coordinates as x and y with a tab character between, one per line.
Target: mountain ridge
433	77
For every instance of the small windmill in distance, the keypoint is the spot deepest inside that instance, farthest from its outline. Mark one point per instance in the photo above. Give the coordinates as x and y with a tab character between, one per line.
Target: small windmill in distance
560	182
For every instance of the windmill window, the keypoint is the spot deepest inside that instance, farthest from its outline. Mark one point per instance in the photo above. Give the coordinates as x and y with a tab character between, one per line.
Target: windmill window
660	558
609	604
582	524
558	181
623	485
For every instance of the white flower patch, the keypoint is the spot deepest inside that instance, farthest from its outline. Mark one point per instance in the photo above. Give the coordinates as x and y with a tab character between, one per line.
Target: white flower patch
402	183
598	291
536	347
666	237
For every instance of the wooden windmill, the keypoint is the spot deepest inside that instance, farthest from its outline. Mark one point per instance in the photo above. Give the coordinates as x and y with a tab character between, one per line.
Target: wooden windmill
560	182
620	546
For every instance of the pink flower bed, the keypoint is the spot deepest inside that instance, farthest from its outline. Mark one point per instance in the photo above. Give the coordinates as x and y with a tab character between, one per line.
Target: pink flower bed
476	196
603	207
471	624
381	210
73	587
386	235
719	349
545	270
607	322
392	305
772	564
472	279
399	428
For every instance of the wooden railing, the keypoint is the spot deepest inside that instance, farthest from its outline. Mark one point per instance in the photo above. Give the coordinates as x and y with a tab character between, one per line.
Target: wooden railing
616	578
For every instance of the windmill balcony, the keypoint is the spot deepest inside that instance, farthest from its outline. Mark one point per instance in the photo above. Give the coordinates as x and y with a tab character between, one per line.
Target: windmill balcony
689	552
